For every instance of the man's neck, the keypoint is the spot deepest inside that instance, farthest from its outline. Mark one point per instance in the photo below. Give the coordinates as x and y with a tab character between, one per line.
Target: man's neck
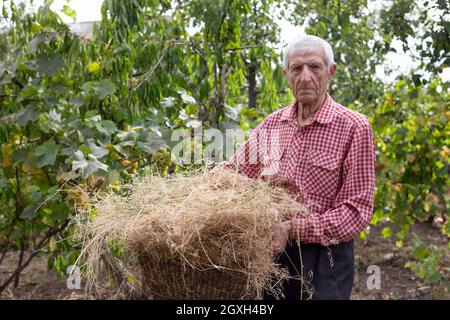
305	111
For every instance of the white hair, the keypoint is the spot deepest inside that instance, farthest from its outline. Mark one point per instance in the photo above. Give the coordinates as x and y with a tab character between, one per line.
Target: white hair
308	43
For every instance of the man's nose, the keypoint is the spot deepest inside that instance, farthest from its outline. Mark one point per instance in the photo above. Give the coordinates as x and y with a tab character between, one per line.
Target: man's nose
305	76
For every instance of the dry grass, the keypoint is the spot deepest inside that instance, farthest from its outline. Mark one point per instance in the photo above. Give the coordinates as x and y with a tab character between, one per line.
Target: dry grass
202	236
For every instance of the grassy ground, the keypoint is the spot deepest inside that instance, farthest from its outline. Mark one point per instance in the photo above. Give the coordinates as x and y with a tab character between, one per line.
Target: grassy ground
397	282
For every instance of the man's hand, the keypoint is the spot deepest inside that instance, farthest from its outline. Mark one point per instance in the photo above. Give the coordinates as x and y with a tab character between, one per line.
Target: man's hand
280	236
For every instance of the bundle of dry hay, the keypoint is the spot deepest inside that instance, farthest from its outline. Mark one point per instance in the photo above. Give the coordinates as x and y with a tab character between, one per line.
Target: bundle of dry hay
203	236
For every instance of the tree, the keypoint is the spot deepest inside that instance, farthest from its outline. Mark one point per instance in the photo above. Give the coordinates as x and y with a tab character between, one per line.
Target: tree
81	115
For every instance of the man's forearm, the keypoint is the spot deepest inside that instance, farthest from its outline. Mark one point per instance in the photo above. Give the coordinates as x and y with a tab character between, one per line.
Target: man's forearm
340	224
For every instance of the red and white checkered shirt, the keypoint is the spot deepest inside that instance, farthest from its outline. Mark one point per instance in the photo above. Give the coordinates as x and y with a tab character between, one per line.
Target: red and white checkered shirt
328	164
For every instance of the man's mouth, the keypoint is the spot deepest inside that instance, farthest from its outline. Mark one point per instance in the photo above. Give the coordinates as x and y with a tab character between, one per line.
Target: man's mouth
306	89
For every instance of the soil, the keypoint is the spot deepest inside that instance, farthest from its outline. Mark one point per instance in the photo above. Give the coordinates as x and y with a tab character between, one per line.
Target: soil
397	282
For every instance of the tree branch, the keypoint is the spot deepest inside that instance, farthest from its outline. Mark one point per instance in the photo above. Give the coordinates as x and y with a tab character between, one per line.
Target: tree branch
50	233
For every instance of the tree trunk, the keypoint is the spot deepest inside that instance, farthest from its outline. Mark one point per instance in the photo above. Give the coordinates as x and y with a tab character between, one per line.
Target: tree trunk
251	77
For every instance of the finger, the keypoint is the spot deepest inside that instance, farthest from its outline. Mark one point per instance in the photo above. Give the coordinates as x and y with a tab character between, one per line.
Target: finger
276	244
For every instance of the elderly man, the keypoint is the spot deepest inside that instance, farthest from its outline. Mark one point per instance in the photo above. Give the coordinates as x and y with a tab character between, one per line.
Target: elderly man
323	153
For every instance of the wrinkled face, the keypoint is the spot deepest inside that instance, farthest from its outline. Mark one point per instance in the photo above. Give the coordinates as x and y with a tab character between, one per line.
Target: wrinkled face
308	75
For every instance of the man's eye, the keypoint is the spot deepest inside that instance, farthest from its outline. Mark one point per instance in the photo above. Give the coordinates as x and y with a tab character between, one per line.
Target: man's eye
316	66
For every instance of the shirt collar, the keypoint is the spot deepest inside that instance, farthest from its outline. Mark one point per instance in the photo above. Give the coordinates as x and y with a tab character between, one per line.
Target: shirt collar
325	114
290	113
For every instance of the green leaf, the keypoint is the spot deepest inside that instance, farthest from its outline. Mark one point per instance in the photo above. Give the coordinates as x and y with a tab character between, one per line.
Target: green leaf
114	177
50	121
185	97
4	183
54	115
153	146
421	252
446	228
40	38
402	234
36	27
363	235
29	212
168	102
87	86
386	232
97	151
250	113
193	123
76	101
123	151
93	67
20	155
27	115
69	12
46	153
28	92
433	277
50	65
104	88
2	68
191	110
87	165
60	212
34	192
231	113
127	135
402	131
106	127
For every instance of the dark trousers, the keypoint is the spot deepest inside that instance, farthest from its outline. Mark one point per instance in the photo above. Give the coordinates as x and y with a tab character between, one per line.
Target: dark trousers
327	271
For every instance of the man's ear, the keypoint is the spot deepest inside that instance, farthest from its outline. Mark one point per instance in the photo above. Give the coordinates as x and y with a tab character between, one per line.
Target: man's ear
332	71
284	71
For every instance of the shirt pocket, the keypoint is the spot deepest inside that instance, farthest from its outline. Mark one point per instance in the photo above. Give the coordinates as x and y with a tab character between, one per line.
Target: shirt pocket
321	176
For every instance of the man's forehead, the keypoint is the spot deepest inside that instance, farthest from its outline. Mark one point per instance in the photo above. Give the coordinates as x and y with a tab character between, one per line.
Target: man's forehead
315	55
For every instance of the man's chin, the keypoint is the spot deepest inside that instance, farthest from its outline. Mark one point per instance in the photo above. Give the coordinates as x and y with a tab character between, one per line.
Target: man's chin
306	98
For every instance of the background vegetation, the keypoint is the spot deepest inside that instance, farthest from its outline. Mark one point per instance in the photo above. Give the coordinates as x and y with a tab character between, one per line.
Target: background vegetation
77	115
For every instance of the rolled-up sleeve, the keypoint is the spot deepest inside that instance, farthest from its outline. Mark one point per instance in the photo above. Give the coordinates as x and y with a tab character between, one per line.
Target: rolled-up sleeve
353	206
